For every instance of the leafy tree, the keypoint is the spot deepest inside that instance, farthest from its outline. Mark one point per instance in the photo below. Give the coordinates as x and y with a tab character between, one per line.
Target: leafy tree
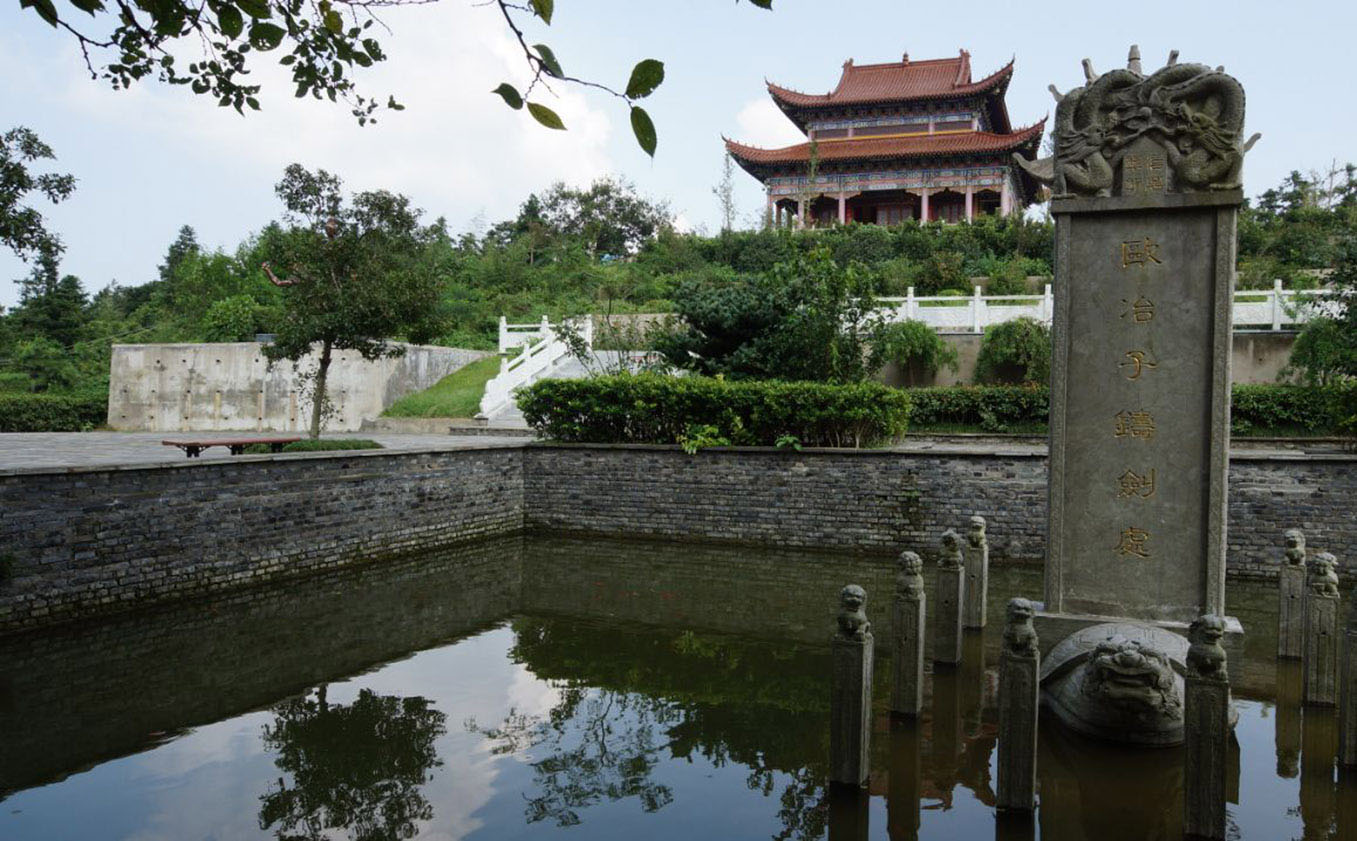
608	218
184	246
51	305
725	193
48	365
358	273
323	44
22	228
914	347
804	320
233	319
1015	351
356	768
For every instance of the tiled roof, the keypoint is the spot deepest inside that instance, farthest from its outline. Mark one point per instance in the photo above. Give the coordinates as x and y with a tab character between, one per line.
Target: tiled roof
910	146
938	78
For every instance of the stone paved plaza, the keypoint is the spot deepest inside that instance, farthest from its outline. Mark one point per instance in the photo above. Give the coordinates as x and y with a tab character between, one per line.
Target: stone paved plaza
40	450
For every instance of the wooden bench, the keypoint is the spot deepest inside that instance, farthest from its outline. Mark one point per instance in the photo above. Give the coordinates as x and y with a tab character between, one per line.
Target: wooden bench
193	447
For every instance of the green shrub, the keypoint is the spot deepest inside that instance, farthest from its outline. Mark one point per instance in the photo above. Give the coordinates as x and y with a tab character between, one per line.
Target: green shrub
915	347
15	382
1017	351
1289	409
653	409
1256	409
1002	408
51	412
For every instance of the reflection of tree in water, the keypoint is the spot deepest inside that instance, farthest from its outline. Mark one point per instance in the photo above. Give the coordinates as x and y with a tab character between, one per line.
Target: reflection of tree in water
595	745
355	767
665	695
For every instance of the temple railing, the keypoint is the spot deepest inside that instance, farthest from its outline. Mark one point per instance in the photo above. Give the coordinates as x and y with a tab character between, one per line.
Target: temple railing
542	348
1261	309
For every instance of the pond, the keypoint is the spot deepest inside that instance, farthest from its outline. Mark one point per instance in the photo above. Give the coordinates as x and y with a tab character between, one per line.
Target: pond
545	688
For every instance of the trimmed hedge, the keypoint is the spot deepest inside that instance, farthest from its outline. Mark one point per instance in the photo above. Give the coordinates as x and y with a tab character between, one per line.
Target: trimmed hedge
1258	409
1291	408
702	411
995	408
51	412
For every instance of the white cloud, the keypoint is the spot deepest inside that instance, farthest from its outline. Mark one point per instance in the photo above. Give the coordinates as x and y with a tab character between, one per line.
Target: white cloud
448	148
763	124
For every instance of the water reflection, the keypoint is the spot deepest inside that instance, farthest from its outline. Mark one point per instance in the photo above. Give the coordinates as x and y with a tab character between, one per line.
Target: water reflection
358	768
1319	749
638	690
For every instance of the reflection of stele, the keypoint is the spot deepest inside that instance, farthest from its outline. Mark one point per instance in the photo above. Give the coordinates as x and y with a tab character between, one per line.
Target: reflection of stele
1138	361
1133	542
1138	424
1135	485
1139	252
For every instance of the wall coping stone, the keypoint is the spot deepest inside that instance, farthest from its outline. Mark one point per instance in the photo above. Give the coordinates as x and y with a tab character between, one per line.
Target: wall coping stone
885	452
190	463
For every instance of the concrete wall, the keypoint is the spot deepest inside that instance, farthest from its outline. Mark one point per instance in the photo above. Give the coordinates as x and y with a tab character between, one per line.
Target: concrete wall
230	386
97	541
1259	357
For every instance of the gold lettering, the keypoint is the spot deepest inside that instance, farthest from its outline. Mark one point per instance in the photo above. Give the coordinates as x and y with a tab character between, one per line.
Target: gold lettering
1138	362
1141	310
1135	424
1133	485
1139	252
1133	542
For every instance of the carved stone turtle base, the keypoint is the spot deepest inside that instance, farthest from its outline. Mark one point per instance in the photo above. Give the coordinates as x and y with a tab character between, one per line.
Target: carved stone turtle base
1119	681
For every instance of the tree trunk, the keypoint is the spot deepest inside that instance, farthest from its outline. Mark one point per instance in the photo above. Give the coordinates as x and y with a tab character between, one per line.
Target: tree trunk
318	393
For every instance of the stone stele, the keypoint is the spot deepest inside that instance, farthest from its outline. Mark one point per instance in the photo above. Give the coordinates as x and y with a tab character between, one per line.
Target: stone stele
1146	183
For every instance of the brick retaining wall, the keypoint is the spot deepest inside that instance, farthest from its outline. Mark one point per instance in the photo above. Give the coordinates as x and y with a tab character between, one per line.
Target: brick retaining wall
99	540
95	541
881	500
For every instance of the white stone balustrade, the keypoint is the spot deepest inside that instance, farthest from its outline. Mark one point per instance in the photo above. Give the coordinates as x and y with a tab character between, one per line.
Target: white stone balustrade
1269	309
542	348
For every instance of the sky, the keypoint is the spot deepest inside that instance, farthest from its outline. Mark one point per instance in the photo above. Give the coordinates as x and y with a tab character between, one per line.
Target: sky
151	159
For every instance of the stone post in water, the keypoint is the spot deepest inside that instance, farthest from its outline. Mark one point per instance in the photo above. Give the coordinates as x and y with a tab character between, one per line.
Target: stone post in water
1206	731
907	685
850	703
1019	665
1321	632
1347	706
950	590
1291	598
977	574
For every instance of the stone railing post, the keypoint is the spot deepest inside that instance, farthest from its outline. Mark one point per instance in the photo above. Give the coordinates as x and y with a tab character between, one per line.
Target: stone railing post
1291	597
977	311
850	703
907	683
1321	632
950	590
911	305
1019	668
1047	305
1206	731
1277	304
1347	705
503	334
976	554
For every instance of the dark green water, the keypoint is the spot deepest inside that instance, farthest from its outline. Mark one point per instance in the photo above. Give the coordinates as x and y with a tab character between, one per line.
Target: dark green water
537	688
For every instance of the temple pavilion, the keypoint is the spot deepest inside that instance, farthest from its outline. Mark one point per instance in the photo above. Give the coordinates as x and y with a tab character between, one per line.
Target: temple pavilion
904	140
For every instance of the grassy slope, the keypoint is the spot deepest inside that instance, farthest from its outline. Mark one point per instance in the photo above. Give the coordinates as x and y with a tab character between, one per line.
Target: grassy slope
458	395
